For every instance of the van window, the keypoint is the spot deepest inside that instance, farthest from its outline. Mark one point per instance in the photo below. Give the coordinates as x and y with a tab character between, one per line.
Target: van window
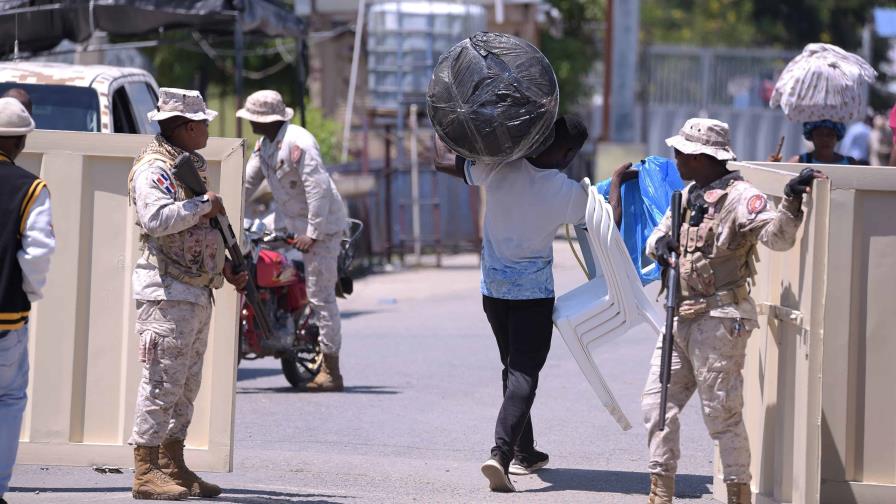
59	107
122	117
143	100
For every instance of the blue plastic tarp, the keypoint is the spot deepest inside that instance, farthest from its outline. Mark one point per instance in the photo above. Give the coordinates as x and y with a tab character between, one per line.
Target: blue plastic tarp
645	200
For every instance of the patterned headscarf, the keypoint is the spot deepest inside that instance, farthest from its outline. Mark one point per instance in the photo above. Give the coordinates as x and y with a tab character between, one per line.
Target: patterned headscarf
809	127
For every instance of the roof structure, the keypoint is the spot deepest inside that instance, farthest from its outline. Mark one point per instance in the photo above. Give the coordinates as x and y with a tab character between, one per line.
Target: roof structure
39	25
61	73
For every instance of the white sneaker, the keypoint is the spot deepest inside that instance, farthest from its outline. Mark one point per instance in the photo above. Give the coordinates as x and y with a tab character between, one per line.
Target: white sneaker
528	463
498	481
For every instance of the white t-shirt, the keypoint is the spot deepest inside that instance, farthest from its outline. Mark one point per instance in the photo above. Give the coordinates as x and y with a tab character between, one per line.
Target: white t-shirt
524	207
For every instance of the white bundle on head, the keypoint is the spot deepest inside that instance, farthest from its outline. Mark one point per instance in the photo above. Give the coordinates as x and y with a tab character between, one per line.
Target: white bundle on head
823	82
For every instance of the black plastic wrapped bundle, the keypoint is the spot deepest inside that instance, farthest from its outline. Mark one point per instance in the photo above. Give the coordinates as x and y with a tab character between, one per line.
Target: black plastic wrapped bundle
493	97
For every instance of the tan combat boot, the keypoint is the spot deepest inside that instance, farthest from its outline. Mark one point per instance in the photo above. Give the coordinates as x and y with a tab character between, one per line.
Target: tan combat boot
149	480
171	460
329	379
739	493
662	489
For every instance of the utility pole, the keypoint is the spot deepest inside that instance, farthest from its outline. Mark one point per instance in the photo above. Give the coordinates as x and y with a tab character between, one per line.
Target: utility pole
623	53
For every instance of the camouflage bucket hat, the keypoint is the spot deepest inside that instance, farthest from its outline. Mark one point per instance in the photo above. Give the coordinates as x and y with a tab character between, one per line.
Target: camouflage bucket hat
181	102
265	106
704	136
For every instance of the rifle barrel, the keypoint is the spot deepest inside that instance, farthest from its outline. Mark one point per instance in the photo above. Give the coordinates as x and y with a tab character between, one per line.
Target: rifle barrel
671	307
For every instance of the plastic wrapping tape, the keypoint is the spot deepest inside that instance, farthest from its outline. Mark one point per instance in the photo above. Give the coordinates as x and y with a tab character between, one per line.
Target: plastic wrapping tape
493	97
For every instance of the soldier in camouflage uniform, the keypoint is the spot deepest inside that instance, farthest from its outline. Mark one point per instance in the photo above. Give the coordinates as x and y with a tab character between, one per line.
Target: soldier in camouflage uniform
183	260
309	206
723	219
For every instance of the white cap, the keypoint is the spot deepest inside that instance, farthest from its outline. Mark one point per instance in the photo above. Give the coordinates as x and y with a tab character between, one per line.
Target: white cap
14	119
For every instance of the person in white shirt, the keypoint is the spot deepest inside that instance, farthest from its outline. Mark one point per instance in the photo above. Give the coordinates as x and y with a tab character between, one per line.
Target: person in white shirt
526	201
26	244
309	206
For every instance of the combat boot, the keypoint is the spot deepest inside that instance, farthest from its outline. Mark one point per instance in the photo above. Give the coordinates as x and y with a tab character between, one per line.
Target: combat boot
662	489
329	379
171	460
739	493
149	481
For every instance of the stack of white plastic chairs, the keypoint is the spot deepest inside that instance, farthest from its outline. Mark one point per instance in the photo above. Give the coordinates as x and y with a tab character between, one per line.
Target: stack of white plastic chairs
609	305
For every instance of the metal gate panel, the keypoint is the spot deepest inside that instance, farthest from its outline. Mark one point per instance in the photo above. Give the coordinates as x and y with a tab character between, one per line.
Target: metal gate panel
782	373
83	351
819	373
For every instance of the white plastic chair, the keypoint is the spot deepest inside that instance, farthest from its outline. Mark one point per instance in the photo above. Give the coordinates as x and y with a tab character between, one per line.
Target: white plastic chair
609	305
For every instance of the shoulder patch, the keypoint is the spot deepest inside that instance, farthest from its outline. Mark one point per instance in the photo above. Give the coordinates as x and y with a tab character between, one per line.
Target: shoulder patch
756	203
163	181
295	153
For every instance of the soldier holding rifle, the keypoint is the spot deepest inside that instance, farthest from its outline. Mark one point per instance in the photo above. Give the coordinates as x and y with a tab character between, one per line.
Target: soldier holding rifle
723	218
183	260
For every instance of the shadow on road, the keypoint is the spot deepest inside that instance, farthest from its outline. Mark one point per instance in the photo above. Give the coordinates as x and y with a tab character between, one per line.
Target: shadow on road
357	389
252	496
236	495
51	490
621	482
253	373
347	314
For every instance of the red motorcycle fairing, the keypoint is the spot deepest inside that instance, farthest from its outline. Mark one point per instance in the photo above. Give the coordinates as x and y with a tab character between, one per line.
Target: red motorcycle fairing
296	295
274	270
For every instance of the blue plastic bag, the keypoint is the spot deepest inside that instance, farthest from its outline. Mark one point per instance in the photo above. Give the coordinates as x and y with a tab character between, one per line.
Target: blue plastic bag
645	200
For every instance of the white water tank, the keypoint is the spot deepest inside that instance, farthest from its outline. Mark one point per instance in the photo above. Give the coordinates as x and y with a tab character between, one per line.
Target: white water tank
404	42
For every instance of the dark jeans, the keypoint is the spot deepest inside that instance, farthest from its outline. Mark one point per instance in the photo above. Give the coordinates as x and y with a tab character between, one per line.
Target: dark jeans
523	332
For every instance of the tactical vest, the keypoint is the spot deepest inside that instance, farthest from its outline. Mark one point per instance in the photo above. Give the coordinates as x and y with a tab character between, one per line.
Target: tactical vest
713	274
182	256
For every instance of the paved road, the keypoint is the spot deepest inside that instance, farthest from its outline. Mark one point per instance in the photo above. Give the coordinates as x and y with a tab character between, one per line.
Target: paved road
417	420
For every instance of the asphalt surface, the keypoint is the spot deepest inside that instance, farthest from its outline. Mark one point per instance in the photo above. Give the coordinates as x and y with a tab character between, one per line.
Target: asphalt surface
417	418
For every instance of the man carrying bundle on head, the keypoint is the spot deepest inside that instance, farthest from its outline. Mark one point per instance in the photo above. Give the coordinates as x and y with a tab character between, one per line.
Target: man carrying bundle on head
527	200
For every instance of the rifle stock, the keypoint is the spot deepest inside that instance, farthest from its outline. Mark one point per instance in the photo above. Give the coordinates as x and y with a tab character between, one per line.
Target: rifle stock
671	307
186	173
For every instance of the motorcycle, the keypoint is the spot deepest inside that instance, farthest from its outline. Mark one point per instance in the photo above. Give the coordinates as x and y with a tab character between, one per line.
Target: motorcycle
278	271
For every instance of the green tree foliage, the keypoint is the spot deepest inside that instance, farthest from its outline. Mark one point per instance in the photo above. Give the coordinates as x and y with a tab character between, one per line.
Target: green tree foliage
574	51
697	22
327	131
790	24
181	61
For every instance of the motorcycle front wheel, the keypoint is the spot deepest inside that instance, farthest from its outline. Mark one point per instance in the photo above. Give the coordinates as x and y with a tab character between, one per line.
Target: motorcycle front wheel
301	367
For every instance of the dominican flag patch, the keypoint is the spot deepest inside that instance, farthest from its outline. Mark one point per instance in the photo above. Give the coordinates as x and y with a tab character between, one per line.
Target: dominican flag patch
164	182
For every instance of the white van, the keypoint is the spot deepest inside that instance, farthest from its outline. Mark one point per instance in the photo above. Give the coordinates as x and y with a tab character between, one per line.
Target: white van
96	98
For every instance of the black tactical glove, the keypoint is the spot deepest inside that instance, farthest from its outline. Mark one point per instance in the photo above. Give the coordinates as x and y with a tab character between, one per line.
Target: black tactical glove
664	248
802	183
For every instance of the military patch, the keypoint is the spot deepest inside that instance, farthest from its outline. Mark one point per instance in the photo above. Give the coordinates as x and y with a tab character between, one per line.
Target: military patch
756	203
164	182
295	153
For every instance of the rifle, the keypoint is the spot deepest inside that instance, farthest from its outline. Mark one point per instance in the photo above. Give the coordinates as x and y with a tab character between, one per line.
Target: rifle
671	305
186	173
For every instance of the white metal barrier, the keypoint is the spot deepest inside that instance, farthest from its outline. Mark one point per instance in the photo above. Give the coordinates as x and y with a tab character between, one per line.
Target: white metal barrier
83	351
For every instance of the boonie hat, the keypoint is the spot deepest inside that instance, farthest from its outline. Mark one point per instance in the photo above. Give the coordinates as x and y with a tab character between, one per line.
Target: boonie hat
265	106
14	119
704	136
187	103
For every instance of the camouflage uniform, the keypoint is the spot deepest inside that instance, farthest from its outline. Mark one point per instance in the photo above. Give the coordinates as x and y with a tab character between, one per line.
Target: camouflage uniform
183	257
307	204
716	317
